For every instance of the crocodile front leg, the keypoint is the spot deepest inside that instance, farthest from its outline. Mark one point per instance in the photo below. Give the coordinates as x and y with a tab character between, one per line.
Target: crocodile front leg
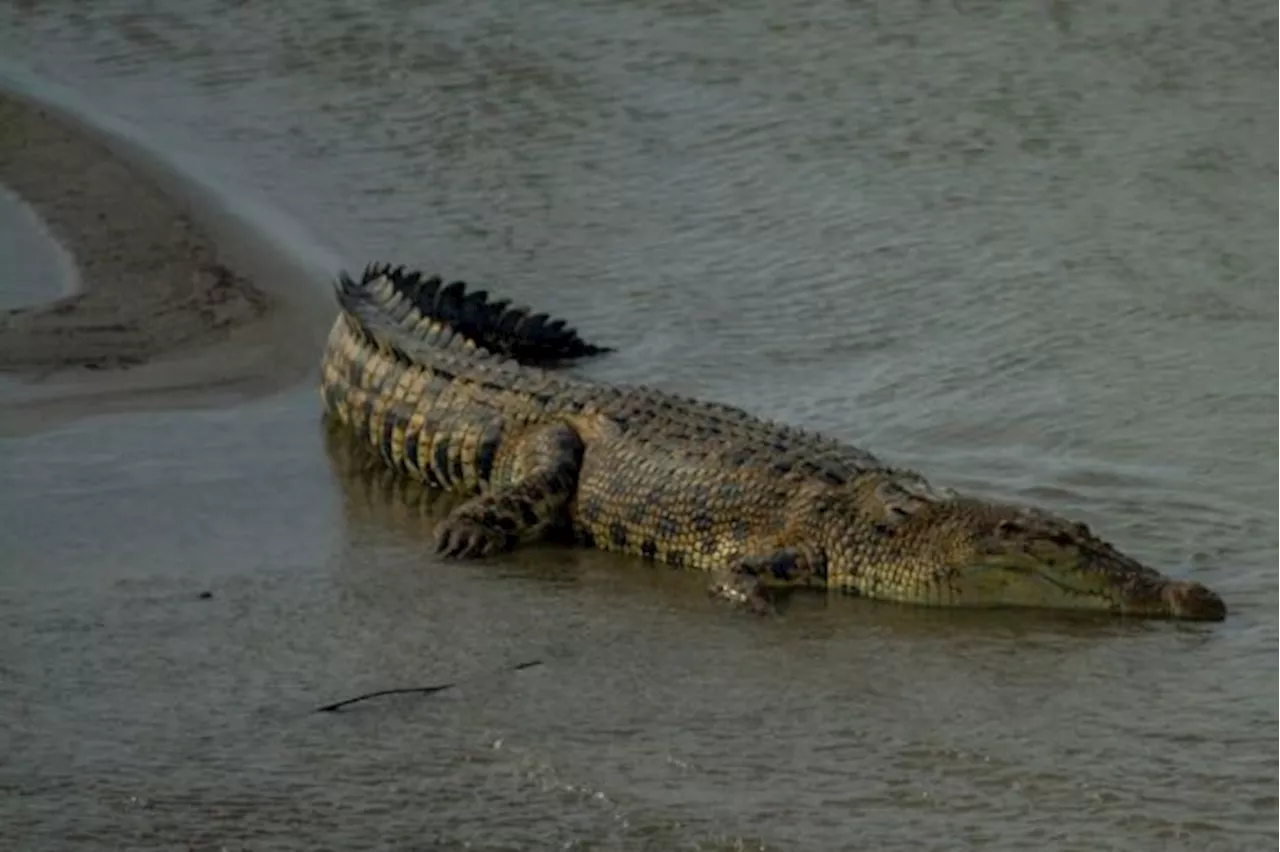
764	583
533	481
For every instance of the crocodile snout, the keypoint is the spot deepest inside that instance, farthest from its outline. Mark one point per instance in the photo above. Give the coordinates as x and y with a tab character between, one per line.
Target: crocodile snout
1194	602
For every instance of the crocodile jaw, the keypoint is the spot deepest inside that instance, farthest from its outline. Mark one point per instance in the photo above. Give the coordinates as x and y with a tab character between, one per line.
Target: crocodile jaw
1147	594
1192	602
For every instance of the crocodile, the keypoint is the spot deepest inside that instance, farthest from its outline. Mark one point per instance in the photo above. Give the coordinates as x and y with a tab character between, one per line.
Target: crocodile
467	394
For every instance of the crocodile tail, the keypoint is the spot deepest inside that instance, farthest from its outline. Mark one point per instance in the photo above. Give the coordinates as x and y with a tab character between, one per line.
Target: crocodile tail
418	305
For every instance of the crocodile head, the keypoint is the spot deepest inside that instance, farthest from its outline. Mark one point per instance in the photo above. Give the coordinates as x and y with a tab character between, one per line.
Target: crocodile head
961	552
1033	558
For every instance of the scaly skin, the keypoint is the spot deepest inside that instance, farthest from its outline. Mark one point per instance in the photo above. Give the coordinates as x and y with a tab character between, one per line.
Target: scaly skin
448	387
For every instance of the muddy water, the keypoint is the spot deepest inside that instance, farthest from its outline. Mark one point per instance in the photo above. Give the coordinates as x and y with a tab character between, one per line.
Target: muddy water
1023	247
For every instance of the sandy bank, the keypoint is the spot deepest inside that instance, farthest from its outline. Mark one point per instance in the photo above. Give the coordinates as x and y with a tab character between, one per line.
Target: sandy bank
151	280
176	303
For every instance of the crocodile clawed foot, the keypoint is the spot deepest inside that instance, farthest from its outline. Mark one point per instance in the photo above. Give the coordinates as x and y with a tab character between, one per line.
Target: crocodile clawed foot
463	539
750	594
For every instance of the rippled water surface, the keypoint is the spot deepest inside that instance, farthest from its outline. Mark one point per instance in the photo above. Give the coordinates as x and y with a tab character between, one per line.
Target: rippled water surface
1026	248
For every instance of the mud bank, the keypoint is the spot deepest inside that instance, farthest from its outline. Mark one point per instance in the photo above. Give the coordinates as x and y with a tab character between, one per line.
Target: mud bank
179	299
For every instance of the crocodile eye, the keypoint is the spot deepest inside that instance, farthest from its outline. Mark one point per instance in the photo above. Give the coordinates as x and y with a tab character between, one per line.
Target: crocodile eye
1007	527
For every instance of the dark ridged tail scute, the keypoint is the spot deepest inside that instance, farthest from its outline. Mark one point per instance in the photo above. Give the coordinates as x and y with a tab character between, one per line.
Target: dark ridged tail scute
513	332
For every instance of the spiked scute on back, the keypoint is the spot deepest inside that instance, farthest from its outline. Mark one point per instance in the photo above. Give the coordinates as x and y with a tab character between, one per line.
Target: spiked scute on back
415	301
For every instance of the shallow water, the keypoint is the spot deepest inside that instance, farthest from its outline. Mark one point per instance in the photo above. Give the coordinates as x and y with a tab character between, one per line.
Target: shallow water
1026	249
39	268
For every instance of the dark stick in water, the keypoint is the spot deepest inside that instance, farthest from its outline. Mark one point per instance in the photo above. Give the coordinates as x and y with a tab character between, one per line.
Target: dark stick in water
425	690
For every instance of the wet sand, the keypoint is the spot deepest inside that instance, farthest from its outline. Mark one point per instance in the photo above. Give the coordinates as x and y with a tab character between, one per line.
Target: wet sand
152	280
167	309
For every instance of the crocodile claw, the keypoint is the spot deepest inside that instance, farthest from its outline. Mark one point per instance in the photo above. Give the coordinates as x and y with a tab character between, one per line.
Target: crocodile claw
461	539
749	594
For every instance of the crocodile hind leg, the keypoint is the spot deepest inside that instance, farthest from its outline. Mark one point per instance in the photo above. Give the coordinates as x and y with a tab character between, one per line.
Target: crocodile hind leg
763	584
533	480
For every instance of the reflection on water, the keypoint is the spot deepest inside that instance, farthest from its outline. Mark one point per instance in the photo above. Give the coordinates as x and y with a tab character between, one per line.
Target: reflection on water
1026	248
375	494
